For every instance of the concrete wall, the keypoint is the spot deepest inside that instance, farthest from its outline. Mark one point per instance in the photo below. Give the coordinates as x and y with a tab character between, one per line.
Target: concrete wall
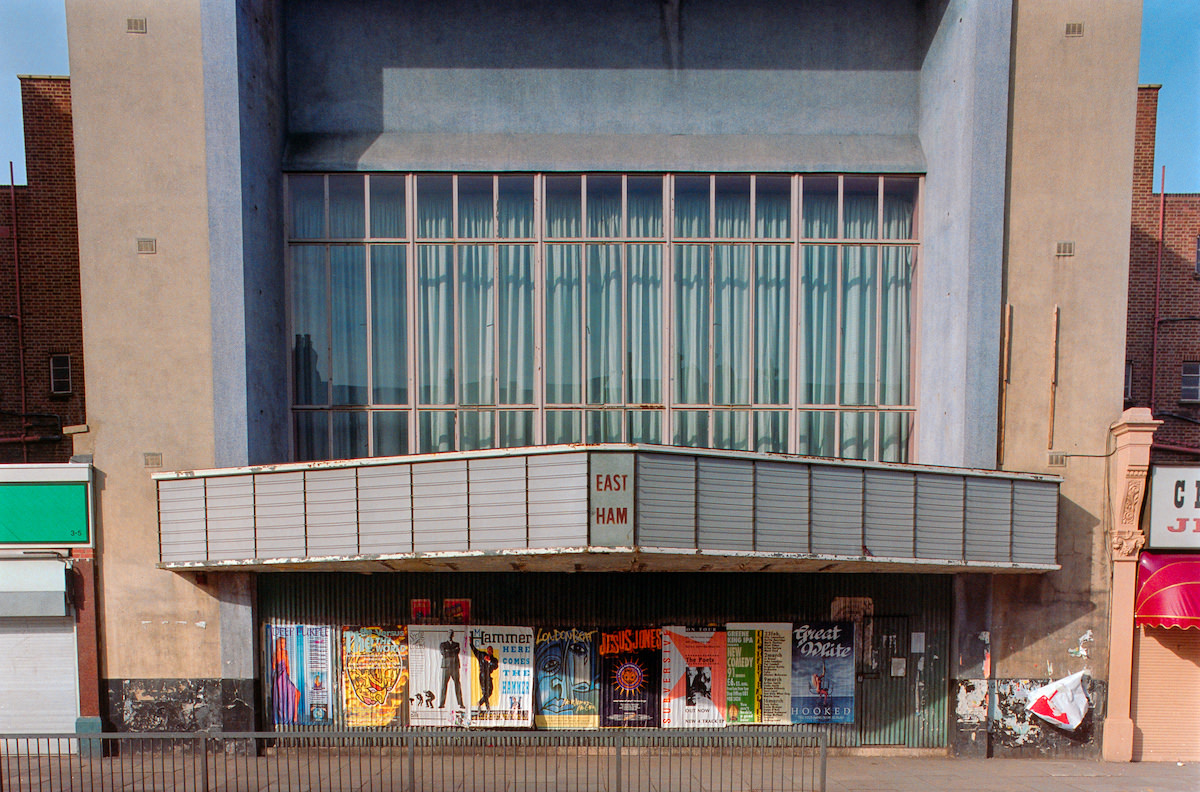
1071	165
141	172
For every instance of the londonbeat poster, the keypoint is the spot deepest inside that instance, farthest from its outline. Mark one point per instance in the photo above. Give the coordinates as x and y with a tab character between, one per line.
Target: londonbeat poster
693	677
630	662
823	672
566	679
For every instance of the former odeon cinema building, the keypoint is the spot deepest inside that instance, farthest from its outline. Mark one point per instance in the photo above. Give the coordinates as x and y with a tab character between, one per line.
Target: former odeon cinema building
607	316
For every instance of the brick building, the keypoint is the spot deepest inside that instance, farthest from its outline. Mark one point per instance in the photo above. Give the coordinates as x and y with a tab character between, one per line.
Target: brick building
39	249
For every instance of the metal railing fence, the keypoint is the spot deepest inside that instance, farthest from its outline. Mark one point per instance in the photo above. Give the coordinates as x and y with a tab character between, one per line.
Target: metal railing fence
417	761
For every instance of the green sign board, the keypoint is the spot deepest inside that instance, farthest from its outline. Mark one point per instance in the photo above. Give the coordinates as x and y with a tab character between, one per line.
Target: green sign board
44	513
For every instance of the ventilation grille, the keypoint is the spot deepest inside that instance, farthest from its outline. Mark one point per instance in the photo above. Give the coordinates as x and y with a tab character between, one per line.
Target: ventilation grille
1074	28
152	459
1056	459
138	25
147	245
1065	249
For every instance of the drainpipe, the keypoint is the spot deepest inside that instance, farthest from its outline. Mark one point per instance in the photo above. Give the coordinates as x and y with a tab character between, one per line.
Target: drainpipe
12	197
1162	213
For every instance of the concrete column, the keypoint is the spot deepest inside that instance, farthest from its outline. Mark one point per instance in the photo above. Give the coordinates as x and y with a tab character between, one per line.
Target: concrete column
1128	467
238	704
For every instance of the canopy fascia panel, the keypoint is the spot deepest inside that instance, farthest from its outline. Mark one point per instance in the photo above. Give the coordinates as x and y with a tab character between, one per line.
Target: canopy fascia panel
1168	591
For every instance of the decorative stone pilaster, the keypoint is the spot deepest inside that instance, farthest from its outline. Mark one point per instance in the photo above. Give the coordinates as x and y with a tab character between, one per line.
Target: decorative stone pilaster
1128	466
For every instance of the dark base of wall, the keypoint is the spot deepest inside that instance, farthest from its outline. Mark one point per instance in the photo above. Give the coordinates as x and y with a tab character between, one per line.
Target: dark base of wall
1014	732
179	705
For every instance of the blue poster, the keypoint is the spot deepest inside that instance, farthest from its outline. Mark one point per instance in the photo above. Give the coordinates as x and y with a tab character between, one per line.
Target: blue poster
299	674
823	672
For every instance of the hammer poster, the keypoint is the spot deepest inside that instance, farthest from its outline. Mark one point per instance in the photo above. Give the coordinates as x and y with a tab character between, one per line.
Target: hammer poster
501	676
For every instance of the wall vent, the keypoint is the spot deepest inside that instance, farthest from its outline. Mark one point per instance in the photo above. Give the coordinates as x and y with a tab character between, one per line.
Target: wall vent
1056	459
147	245
138	25
1074	28
1065	249
152	459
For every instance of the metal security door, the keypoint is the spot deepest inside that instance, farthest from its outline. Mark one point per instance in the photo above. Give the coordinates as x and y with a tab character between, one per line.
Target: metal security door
885	680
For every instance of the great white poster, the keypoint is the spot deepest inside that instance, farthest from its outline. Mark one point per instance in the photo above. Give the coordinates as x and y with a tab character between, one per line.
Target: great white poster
693	677
759	676
439	665
566	676
823	672
630	665
501	676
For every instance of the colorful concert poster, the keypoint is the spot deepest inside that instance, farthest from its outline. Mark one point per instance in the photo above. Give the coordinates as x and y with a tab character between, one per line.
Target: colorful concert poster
438	664
501	676
374	676
823	672
566	679
299	658
456	611
693	677
630	662
759	676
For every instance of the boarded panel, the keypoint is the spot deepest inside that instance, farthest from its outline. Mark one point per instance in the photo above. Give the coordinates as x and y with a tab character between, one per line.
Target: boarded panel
440	506
332	507
496	493
181	520
989	519
558	500
279	514
939	517
1166	695
889	512
1035	522
725	504
230	517
666	501
385	509
781	507
837	516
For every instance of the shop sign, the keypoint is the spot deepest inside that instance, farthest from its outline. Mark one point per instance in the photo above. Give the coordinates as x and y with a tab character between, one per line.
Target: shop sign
45	506
1175	509
610	500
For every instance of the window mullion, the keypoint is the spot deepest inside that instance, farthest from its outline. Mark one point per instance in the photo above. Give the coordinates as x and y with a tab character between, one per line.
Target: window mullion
795	338
667	342
539	312
370	315
410	317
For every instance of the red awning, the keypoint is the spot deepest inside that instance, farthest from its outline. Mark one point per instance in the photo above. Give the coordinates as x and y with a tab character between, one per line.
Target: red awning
1168	591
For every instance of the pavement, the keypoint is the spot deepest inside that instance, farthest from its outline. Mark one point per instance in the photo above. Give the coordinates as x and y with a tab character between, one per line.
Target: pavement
933	774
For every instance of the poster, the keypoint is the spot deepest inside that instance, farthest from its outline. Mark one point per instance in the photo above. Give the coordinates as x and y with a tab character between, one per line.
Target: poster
566	679
759	673
823	672
420	611
693	677
299	660
456	611
501	676
438	664
374	676
630	662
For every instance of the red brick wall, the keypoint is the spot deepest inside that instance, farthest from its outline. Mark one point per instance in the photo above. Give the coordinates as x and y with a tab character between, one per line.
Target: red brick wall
1178	292
48	250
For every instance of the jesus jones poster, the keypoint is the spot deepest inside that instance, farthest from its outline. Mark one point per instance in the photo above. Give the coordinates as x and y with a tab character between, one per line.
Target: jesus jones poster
501	676
759	688
565	679
823	672
630	662
438	668
693	677
374	676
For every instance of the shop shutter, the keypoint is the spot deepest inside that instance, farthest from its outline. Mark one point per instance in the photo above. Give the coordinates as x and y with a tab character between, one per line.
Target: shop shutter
39	684
1166	695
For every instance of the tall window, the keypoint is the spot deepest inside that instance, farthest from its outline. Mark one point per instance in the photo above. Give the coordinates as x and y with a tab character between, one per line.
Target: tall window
434	312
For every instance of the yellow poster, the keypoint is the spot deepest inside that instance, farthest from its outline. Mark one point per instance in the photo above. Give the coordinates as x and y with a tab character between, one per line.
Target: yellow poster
374	676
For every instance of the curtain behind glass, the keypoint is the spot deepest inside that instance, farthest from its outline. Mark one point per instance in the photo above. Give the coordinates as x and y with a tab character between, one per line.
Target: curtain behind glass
347	210
604	336
435	304
731	324
516	325
306	194
389	325
772	314
348	310
564	322
692	324
644	314
310	325
476	336
387	205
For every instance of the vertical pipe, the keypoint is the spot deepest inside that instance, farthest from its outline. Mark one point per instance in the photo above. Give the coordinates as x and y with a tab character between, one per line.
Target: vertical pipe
1162	212
12	198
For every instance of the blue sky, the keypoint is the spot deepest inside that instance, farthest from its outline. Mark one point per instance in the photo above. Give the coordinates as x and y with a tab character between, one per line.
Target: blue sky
34	41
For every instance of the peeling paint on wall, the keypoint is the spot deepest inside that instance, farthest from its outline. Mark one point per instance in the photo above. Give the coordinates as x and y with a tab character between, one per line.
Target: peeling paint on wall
972	701
1082	651
1016	732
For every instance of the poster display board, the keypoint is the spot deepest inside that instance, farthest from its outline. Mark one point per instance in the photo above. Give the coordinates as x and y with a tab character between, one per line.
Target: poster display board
438	663
630	665
823	672
566	677
501	676
299	676
693	677
759	673
374	676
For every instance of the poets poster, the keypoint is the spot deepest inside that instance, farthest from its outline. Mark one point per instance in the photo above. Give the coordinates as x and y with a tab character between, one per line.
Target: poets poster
759	676
299	657
693	677
630	664
501	676
823	672
566	674
374	676
439	664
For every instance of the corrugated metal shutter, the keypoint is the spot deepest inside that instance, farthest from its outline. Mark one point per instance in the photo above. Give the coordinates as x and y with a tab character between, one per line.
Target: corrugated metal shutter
888	513
39	683
558	500
332	513
781	508
385	509
231	516
989	519
837	510
666	501
181	520
497	508
1035	513
1166	695
940	517
725	504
